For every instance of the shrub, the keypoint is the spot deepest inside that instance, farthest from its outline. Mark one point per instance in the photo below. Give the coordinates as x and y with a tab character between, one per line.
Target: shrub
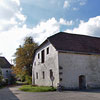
28	79
1	80
13	80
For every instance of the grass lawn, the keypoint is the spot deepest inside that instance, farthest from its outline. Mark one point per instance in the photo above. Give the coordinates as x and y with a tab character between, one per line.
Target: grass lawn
22	83
30	88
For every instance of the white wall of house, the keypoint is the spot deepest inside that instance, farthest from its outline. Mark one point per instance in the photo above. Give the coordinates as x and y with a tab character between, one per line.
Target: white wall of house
6	72
75	65
51	62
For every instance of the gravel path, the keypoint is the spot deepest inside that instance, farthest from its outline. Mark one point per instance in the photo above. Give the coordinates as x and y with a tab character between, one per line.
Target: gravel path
12	93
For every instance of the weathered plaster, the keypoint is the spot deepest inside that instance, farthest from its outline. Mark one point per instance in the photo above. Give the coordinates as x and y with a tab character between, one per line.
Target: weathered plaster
51	62
75	65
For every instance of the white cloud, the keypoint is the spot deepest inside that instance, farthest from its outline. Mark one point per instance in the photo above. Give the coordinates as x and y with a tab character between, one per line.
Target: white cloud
75	9
64	22
83	3
10	14
12	38
17	1
66	4
74	4
45	29
91	27
20	16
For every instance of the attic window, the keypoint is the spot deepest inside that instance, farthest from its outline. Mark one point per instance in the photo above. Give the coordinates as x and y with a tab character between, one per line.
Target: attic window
48	50
38	56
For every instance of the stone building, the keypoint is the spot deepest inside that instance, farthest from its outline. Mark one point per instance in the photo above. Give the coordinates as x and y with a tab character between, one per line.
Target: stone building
71	60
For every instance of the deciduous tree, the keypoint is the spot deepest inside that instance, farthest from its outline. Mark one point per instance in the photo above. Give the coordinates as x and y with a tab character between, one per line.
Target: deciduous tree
24	57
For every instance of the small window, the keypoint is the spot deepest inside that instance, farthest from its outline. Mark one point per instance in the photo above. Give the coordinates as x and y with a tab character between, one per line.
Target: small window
48	50
42	56
36	75
38	56
60	73
60	67
60	79
43	75
51	73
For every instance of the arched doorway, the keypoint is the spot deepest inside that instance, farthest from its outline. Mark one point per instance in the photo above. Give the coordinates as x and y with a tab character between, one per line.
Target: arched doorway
82	82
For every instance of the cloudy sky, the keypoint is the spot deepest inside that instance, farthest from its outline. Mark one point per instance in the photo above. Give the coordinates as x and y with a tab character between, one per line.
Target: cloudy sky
43	18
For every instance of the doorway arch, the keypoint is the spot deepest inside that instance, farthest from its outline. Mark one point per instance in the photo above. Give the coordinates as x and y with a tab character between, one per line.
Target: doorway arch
82	82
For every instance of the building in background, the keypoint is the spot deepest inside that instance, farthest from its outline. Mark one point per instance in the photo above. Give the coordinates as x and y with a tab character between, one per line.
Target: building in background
6	69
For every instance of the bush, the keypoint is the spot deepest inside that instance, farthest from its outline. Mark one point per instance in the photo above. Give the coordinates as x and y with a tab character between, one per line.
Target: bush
28	79
1	80
13	80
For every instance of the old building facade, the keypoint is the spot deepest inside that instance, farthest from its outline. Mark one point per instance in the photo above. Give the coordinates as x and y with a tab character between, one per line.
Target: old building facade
72	61
5	67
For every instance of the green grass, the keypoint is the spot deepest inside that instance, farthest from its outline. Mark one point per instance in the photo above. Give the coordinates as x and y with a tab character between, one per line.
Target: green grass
30	88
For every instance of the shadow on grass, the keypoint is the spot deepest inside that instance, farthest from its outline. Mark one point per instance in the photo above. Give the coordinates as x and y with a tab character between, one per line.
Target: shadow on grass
6	94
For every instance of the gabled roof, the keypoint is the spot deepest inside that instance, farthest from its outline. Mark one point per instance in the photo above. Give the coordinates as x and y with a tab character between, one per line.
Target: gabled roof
75	43
4	63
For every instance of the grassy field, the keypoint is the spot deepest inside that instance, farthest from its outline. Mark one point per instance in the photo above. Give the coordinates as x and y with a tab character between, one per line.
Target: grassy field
30	88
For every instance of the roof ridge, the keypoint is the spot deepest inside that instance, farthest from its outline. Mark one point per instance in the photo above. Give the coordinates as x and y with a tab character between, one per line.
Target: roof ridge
74	34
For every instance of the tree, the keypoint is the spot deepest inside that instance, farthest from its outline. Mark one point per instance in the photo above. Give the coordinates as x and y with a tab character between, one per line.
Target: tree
24	57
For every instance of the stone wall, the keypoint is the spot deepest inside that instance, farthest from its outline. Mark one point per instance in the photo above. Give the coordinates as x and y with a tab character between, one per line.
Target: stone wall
74	65
51	62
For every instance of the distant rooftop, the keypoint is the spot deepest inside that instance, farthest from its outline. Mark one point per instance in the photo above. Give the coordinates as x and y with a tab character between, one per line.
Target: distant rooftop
4	63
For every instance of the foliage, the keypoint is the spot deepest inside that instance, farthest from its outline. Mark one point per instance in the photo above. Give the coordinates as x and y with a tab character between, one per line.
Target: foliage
28	79
13	79
30	88
24	58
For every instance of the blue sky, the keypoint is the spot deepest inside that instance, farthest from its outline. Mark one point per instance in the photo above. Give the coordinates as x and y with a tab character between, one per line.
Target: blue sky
42	18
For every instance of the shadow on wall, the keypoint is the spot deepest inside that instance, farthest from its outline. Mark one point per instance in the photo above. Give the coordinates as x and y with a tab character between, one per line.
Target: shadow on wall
6	94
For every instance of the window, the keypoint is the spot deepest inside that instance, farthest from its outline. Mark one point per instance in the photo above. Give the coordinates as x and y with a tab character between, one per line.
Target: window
43	75
60	67
7	71
42	56
48	50
60	79
38	56
60	73
51	73
36	75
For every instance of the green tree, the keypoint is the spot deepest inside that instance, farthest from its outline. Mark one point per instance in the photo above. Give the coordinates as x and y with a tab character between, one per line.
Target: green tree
24	57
